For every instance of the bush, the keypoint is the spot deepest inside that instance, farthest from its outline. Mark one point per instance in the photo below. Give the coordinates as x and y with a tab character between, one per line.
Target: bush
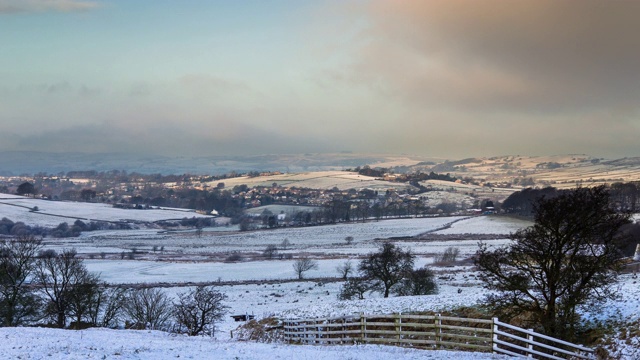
235	257
270	252
449	256
147	309
354	288
197	310
418	282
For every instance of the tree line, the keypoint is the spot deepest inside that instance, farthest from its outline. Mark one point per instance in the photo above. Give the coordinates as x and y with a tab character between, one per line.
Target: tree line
44	287
622	196
63	230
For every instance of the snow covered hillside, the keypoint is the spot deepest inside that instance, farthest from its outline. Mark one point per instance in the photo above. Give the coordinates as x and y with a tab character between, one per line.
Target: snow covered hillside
51	213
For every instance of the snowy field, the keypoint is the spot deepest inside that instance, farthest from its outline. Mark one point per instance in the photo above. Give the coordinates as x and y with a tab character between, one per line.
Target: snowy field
35	343
268	287
52	213
486	225
316	180
189	258
319	239
202	259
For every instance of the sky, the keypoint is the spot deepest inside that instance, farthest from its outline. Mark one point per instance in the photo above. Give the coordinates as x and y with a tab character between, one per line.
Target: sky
446	78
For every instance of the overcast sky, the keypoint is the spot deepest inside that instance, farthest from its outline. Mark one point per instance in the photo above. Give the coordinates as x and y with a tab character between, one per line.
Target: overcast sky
438	78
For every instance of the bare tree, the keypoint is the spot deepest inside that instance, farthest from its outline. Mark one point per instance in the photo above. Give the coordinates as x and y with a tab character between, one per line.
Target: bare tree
84	300
363	208
110	305
285	244
148	308
449	255
17	264
345	269
303	265
567	259
197	310
60	277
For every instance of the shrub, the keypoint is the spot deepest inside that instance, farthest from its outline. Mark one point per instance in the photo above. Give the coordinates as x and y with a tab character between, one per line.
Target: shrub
197	310
270	252
354	288
235	257
449	256
418	282
147	309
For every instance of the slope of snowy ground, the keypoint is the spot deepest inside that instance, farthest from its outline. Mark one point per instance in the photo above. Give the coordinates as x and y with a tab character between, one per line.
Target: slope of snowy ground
486	225
316	180
39	343
52	213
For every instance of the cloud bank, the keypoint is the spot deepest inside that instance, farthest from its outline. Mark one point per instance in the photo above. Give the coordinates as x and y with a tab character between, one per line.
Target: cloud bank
19	6
448	78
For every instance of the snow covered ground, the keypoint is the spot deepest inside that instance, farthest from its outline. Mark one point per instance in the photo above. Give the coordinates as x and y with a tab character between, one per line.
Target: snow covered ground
316	180
269	288
38	343
329	239
52	213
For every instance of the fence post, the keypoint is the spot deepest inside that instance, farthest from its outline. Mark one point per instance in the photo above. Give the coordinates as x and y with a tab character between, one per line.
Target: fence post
530	346
397	320
494	334
363	327
438	329
286	332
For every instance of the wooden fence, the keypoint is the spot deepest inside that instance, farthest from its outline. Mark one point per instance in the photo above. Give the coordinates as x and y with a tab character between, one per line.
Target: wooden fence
432	332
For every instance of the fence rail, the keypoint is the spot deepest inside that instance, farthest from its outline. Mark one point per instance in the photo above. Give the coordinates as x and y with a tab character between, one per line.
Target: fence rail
434	332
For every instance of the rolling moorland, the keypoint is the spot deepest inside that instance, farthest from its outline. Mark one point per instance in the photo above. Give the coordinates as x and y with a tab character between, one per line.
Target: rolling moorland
267	286
561	169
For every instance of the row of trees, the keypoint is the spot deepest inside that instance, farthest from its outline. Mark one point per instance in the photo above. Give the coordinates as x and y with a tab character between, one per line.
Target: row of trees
45	287
407	177
622	196
63	230
340	210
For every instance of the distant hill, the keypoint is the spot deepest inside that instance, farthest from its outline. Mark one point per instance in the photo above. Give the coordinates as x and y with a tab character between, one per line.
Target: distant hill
561	171
21	162
498	172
